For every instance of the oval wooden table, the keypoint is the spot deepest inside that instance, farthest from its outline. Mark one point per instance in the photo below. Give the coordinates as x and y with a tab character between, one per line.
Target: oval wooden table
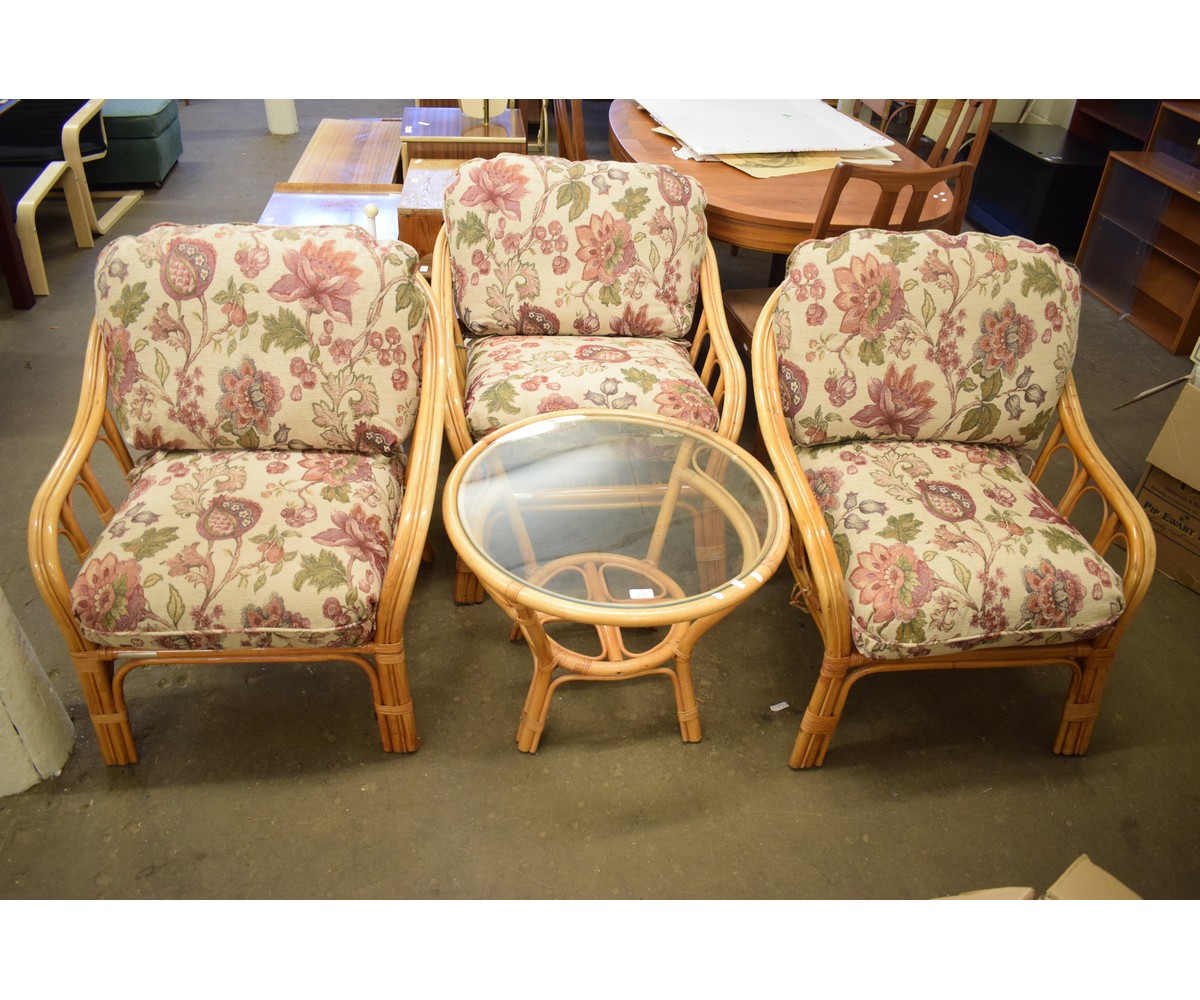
771	214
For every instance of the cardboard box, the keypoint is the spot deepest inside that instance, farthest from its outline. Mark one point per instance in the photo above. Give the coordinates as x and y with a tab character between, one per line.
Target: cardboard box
1173	508
1169	491
1004	892
1087	880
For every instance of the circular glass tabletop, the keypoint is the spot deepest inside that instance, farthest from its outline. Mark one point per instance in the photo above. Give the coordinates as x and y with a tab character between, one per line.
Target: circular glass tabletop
604	510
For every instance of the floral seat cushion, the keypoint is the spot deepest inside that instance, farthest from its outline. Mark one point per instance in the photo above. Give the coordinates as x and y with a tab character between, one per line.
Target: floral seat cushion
924	336
948	546
232	549
509	378
246	336
544	245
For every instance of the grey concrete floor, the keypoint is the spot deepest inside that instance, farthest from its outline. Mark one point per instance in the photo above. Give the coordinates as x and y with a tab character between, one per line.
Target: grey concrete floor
268	782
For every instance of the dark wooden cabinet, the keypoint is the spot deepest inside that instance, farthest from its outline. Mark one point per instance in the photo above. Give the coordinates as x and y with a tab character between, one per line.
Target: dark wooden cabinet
1140	253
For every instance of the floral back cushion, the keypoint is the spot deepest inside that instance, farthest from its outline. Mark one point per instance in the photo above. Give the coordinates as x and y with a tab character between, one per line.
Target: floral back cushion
257	337
548	246
924	336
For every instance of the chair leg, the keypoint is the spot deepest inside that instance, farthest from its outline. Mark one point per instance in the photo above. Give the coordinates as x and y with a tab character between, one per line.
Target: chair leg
106	708
1083	704
821	717
467	588
397	724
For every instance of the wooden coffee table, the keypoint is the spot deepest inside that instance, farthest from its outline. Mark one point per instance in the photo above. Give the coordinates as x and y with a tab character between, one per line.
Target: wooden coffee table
350	151
645	529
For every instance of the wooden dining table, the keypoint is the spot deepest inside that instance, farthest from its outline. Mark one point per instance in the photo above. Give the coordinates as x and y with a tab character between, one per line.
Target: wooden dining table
770	214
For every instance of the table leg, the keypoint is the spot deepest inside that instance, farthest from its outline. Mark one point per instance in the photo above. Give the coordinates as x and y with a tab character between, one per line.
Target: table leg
685	699
533	714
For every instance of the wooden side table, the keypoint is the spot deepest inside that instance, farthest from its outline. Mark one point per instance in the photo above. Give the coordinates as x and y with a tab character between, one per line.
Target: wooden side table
420	203
350	151
622	521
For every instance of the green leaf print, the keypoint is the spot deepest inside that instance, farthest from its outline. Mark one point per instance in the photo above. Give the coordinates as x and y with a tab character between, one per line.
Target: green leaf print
325	571
131	303
150	542
284	330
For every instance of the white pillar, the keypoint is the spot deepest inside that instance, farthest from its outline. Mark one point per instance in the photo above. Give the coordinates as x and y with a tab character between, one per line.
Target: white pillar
281	117
36	735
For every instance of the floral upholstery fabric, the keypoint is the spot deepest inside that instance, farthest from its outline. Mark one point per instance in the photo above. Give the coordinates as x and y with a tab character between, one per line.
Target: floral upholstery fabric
231	549
924	336
948	546
509	378
540	245
238	336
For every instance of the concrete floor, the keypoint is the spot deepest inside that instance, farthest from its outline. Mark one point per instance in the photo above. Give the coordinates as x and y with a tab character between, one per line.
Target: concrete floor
268	782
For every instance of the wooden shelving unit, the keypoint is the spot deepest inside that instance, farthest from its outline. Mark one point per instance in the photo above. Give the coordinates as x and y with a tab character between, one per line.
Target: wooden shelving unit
1140	252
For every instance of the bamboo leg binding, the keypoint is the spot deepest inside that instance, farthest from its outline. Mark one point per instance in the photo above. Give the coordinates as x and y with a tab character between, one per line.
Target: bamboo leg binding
105	707
397	724
1083	704
822	715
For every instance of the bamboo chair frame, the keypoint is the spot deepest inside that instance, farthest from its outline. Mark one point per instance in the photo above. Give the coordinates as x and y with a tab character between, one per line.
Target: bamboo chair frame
713	355
821	588
102	670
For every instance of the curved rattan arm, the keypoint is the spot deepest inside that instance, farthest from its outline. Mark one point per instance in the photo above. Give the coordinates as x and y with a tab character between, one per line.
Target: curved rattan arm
420	479
714	353
52	513
1123	518
457	431
814	559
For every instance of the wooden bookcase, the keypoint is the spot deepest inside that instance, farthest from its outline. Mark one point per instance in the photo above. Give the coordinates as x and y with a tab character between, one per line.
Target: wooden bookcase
1140	252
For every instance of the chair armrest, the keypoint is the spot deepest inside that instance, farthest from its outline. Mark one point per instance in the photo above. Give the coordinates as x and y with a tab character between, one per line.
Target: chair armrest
74	127
1123	518
455	349
52	513
721	369
818	562
420	479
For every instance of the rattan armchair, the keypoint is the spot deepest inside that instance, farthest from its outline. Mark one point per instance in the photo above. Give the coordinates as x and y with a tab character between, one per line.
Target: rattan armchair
285	389
587	284
900	379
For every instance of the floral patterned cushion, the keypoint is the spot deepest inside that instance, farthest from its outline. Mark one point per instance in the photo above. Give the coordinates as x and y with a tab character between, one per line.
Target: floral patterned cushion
924	336
509	378
540	245
229	549
239	336
949	546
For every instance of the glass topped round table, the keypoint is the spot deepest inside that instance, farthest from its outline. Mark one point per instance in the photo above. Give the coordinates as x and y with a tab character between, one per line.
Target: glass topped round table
614	540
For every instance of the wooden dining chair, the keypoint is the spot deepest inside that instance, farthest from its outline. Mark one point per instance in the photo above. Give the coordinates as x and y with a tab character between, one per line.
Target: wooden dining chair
743	305
965	124
568	126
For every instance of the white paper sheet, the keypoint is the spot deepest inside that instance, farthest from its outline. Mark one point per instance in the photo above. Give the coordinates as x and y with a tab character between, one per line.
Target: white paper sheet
766	126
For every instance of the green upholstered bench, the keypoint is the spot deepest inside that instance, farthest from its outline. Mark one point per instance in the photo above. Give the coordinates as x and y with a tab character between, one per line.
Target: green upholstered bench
144	143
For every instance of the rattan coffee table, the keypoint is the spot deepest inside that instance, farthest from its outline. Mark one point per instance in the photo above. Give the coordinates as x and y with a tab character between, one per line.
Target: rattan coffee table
631	535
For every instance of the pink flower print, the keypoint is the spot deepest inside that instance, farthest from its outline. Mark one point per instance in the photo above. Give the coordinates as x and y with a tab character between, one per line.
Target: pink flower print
298	517
826	485
556	402
252	261
496	186
560	265
606	248
793	387
687	401
228	517
1006	337
360	533
108	595
899	404
870	296
1004	497
372	439
250	397
893	580
321	278
1053	597
334	468
840	388
602	352
272	615
535	320
674	187
946	500
637	324
816	314
187	268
